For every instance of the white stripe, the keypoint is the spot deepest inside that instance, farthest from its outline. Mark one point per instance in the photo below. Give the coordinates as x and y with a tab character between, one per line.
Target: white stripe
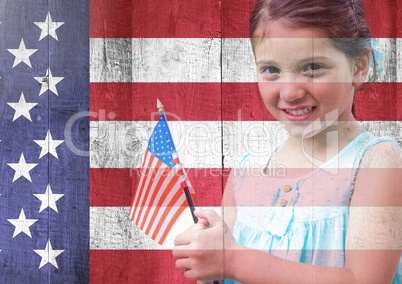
199	142
193	60
239	65
155	60
398	62
107	233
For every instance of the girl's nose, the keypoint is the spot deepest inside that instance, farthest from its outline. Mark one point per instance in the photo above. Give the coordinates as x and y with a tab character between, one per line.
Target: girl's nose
291	91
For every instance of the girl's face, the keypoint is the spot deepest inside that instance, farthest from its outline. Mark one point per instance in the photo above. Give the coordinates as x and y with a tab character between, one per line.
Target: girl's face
303	78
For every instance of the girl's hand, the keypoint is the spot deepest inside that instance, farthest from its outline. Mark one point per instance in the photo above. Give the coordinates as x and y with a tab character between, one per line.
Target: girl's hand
200	250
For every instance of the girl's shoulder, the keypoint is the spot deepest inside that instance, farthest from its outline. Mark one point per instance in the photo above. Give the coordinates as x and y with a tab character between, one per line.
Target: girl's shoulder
386	154
377	152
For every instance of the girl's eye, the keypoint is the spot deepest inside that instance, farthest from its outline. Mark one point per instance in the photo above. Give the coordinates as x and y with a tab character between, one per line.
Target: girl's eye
313	67
270	70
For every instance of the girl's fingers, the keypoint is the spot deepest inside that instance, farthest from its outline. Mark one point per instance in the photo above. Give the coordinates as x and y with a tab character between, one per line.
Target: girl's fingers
180	252
203	221
183	264
210	215
187	236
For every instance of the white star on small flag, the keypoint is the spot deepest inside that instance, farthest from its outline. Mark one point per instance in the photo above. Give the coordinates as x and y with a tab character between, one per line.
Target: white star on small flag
22	54
22	224
48	27
22	108
48	145
48	199
48	255
48	82
22	168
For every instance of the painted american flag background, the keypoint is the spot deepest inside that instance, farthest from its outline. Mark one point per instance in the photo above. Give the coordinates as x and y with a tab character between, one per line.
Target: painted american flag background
79	76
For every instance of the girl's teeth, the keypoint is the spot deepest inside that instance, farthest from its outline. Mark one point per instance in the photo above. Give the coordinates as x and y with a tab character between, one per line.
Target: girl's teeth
299	112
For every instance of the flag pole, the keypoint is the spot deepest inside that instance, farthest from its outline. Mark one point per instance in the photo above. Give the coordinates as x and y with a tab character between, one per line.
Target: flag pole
185	187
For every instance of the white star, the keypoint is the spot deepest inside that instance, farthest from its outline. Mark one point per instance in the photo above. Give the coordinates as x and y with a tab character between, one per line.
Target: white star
22	224
48	255
48	199
48	27
22	54
48	82
48	145
22	108
22	168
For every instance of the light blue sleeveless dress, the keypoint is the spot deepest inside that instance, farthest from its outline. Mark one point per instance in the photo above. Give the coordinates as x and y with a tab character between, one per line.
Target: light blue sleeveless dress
303	219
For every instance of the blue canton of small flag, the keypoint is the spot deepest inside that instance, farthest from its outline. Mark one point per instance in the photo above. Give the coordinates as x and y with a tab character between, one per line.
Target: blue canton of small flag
44	182
161	144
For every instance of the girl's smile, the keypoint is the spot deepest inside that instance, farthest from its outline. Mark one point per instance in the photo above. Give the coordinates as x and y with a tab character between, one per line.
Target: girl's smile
299	113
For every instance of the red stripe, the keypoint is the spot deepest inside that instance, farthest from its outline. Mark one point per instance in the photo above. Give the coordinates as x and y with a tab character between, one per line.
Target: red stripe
236	17
206	19
134	266
114	187
128	19
379	102
137	101
213	102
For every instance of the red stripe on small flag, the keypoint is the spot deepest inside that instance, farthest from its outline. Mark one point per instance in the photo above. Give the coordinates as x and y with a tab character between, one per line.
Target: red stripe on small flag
160	203
173	219
146	193
155	193
167	209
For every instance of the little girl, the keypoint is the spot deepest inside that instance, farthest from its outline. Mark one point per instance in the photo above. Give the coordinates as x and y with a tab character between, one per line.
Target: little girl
335	215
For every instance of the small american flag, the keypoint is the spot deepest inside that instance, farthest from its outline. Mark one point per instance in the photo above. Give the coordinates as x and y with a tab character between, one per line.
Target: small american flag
159	198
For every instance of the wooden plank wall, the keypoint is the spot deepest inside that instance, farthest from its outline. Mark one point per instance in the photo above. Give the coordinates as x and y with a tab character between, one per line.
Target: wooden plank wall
195	56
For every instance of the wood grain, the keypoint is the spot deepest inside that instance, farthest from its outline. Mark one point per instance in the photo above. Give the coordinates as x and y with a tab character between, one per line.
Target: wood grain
193	60
112	229
122	144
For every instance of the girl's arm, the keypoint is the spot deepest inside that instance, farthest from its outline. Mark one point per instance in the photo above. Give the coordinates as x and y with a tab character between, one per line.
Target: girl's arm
228	202
373	245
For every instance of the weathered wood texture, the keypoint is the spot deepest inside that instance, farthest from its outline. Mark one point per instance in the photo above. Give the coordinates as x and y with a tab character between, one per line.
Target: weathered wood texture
68	174
200	144
229	60
197	58
111	228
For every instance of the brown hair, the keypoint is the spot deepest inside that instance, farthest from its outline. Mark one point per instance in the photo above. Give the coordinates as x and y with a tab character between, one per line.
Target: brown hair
343	21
